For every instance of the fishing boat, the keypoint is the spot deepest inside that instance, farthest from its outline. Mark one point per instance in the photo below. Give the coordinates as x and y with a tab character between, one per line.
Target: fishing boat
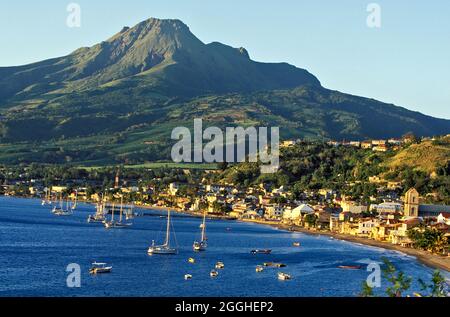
187	276
220	265
261	251
99	268
213	273
350	267
259	268
202	244
164	248
283	276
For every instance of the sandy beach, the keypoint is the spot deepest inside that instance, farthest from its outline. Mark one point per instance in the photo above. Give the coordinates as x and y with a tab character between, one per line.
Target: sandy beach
427	258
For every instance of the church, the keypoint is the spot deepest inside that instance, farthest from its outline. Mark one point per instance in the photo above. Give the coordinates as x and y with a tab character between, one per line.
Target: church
413	208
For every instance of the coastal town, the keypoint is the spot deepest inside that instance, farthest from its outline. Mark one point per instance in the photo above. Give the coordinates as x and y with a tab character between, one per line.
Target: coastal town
393	216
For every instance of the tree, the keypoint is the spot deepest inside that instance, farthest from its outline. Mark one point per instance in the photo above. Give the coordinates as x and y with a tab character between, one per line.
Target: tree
367	291
311	220
400	282
438	286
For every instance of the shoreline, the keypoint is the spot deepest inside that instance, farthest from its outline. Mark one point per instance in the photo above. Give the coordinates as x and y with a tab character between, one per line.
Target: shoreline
431	260
424	257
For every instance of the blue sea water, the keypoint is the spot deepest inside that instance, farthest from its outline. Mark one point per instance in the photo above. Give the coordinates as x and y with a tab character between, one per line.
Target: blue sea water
36	247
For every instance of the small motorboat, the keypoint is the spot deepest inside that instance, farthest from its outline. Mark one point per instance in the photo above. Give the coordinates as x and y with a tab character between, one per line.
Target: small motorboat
187	276
296	244
220	265
283	276
261	251
350	267
191	260
213	273
99	268
259	268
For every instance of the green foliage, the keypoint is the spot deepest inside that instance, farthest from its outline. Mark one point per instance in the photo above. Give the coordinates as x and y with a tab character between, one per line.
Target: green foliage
429	239
366	291
399	281
438	286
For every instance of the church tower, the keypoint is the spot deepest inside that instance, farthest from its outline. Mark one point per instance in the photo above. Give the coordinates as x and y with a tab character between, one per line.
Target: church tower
411	208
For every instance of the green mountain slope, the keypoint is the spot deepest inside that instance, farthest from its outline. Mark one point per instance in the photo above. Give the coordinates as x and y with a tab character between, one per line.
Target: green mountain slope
117	101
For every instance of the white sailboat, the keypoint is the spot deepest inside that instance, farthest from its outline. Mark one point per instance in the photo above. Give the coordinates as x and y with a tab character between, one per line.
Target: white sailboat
202	244
60	210
74	206
164	248
117	224
99	216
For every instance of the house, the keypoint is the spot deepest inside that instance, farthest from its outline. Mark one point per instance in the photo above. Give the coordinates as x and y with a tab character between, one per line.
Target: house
400	234
274	212
444	217
387	208
365	226
380	148
301	210
352	207
366	144
378	142
287	143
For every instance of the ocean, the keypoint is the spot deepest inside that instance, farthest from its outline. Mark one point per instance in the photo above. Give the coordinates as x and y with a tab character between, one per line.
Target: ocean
36	248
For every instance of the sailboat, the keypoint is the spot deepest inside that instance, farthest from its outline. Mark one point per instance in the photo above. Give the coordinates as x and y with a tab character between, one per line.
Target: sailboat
164	248
60	210
74	206
46	200
99	216
117	224
129	214
201	246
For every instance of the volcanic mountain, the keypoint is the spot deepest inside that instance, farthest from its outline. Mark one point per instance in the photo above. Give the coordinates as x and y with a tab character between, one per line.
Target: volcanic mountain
111	100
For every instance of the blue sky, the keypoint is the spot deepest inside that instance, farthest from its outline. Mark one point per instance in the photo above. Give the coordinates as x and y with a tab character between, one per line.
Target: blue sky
405	62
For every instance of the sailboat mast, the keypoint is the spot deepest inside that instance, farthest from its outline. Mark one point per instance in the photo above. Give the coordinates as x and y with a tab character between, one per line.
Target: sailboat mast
168	229
204	226
112	211
121	208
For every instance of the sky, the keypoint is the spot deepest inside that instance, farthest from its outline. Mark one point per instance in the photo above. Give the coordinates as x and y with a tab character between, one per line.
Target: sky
405	61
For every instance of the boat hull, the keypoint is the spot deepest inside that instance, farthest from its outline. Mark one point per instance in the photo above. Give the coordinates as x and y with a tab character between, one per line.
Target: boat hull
161	250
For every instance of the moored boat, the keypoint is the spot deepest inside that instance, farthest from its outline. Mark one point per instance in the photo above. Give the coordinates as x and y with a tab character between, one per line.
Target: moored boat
191	260
165	248
350	267
220	265
100	268
259	268
261	251
296	244
187	276
213	273
284	276
202	244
